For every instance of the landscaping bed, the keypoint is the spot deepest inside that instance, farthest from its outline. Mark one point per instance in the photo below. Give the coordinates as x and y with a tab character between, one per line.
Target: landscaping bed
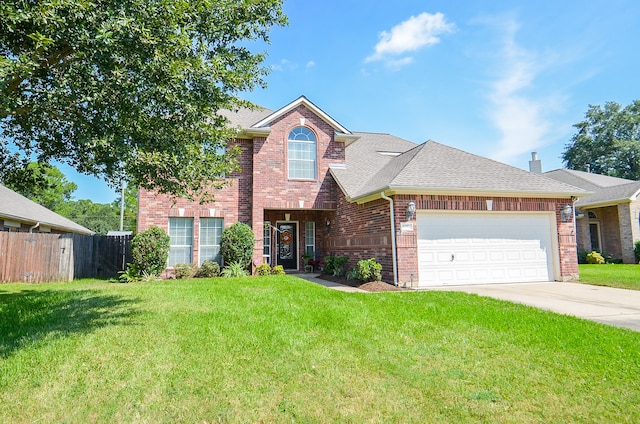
372	286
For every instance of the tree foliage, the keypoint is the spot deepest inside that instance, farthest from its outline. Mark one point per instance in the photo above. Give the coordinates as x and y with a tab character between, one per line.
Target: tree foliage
43	183
608	140
129	88
98	217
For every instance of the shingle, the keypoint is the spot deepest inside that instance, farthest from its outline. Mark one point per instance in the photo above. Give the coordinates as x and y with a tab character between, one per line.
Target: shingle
605	189
245	118
434	166
14	206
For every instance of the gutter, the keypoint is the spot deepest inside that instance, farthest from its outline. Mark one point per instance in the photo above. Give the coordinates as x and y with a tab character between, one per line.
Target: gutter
34	227
393	238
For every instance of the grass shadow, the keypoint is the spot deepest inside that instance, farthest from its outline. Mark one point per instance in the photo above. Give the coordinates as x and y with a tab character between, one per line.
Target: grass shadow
29	316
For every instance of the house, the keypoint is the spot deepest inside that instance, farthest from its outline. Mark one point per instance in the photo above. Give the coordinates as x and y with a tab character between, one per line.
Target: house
608	220
19	214
430	214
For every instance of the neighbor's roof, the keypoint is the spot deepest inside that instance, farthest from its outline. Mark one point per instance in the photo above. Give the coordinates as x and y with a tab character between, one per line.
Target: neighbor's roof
15	207
606	190
432	167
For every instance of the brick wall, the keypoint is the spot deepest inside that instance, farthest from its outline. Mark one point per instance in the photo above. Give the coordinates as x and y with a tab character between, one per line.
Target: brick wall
364	231
273	190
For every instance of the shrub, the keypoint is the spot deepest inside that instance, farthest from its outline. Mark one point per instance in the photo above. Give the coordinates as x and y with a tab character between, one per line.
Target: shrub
263	269
129	275
185	270
278	270
582	256
234	269
595	258
208	269
636	251
237	244
335	265
369	270
150	250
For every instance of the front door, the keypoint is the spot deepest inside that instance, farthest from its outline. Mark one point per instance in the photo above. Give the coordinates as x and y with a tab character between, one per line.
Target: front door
287	245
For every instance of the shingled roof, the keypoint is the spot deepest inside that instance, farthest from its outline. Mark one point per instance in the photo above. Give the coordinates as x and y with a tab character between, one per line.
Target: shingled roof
606	190
15	207
432	167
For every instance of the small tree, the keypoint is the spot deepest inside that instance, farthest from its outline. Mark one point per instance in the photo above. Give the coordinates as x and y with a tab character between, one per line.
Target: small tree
150	250
237	244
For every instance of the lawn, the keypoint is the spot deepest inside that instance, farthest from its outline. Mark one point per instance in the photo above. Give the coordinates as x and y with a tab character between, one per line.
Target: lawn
280	349
625	276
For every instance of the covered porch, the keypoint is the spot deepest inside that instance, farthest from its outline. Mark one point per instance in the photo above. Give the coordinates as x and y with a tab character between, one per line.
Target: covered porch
294	238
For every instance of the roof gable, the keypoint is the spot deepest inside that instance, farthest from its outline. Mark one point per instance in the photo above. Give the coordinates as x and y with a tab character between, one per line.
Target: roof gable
302	100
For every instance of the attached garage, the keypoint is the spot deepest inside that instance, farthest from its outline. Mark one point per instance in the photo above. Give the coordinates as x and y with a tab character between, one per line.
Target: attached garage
486	247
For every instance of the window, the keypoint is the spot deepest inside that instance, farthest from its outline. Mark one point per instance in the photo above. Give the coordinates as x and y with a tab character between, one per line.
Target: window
210	236
181	244
310	238
302	153
266	243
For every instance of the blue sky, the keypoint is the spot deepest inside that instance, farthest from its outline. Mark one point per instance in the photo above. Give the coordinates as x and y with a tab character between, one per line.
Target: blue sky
496	78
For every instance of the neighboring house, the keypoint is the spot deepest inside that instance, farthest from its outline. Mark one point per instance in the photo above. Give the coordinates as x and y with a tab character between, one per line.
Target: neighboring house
609	219
430	214
19	214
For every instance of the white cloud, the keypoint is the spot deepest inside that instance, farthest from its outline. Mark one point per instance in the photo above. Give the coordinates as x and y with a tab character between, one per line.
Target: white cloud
310	64
522	118
409	36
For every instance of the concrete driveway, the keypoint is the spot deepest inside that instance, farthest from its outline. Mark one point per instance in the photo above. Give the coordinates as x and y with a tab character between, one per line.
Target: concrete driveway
617	307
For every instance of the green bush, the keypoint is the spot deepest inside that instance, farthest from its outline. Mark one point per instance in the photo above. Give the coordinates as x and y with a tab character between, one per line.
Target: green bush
595	258
185	270
129	275
150	250
278	270
208	269
636	251
235	269
334	265
369	270
582	256
237	244
263	269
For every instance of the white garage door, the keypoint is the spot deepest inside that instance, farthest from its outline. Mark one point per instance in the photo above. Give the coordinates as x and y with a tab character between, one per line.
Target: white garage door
481	248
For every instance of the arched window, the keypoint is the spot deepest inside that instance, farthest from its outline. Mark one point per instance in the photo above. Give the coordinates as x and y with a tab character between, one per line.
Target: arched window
302	153
592	215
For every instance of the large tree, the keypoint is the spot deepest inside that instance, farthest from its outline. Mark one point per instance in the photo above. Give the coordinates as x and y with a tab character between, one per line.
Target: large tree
129	88
607	141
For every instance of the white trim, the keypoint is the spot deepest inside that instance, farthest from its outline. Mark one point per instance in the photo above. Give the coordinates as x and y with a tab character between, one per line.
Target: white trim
302	100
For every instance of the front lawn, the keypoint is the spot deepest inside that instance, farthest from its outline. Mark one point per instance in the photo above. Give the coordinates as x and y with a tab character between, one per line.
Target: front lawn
280	349
624	276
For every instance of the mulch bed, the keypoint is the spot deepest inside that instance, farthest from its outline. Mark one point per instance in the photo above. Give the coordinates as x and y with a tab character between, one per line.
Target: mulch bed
373	286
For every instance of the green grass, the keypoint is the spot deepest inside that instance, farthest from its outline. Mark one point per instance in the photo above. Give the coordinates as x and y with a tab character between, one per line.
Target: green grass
280	349
625	276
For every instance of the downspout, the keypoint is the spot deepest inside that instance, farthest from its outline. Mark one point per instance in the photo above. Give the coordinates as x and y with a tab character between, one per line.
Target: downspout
393	238
34	227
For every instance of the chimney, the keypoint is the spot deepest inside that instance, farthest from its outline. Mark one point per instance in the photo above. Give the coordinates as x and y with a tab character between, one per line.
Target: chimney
535	165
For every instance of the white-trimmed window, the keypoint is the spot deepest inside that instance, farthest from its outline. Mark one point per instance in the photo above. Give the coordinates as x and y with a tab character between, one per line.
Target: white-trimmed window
181	244
210	236
310	238
302	153
266	242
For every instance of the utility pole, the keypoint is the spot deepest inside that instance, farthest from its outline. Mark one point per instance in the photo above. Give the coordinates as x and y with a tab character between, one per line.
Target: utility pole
122	207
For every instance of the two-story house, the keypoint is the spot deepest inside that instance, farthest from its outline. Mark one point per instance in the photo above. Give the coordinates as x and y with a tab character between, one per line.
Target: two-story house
430	214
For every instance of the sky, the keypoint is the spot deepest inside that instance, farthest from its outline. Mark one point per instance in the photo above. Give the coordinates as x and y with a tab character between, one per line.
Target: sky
496	78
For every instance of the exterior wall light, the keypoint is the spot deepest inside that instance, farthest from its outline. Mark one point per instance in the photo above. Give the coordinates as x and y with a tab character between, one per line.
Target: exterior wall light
410	210
566	213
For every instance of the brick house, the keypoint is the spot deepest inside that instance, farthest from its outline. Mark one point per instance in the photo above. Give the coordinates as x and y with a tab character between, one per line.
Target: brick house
609	218
430	214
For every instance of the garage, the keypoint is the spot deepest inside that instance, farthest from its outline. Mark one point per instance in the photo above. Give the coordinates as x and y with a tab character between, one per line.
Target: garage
457	248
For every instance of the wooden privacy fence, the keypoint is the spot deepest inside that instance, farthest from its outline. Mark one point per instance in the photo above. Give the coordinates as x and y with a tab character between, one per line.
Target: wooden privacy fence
38	257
